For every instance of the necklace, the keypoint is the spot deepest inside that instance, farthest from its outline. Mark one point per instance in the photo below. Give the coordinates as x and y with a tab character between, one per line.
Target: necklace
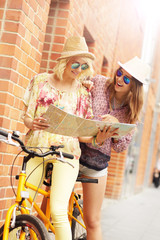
115	104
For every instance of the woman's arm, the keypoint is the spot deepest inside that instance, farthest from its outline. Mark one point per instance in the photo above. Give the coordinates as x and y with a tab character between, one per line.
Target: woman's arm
38	123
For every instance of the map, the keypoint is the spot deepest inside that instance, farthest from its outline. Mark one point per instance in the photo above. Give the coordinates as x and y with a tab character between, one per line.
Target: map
67	124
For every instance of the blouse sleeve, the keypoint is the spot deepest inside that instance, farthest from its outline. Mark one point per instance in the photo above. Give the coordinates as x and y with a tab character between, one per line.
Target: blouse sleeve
122	143
84	107
30	98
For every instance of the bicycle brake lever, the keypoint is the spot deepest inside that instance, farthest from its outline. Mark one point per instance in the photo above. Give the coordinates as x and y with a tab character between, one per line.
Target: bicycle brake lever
9	140
61	159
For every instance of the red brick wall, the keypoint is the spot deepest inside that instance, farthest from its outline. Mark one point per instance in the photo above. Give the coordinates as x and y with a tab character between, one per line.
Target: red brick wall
32	36
23	25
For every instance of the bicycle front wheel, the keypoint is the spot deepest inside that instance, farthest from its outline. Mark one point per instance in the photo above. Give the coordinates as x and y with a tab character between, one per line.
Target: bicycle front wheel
78	232
27	227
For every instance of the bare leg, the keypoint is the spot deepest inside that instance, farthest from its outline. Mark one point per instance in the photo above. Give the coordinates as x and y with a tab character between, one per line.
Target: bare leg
93	195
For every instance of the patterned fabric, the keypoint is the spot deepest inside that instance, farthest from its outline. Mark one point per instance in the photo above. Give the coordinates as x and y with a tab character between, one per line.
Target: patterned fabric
39	95
100	106
92	158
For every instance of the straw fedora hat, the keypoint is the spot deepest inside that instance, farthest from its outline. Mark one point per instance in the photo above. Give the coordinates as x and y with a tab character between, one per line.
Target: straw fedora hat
75	46
137	68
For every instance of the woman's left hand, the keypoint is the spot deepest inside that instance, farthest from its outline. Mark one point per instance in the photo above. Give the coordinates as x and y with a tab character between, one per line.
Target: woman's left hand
102	135
88	84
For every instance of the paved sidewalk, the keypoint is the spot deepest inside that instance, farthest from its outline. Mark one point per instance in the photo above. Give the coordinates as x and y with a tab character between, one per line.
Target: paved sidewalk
134	218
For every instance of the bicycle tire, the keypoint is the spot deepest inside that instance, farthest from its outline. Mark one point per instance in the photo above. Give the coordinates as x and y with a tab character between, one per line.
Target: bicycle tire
78	232
26	223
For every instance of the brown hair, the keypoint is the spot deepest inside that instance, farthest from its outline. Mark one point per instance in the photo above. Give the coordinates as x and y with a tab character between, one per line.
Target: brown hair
134	99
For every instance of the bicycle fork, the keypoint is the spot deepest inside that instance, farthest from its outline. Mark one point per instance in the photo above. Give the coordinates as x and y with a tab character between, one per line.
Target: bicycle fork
11	213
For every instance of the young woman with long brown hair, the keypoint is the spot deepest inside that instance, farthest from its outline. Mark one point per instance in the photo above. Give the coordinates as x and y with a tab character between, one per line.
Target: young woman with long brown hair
117	100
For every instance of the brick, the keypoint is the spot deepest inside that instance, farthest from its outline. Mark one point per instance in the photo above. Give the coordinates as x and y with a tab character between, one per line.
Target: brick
14	77
50	21
2	204
3	146
20	127
61	22
6	98
33	4
34	42
15	4
41	37
23	82
49	29
6	49
9	193
11	26
43	64
15	113
6	62
1	13
18	91
21	30
5	110
5	123
9	37
60	31
4	170
31	14
6	86
26	47
57	48
64	5
63	14
13	15
59	39
38	21
4	182
48	38
2	192
5	73
46	47
41	3
29	24
52	65
31	63
25	8
55	56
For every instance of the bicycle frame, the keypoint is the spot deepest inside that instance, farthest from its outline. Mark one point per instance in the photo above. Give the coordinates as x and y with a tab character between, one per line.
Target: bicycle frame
23	195
20	204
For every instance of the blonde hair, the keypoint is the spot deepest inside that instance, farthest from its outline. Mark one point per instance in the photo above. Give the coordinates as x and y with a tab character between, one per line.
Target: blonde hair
134	99
61	66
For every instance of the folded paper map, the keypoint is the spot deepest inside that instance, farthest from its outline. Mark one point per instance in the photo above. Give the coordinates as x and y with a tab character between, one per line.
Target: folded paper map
64	123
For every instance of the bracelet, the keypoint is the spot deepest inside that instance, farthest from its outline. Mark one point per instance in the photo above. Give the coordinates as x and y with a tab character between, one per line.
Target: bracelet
95	143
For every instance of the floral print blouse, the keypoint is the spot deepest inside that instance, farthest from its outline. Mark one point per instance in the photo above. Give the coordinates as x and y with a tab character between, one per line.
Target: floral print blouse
39	95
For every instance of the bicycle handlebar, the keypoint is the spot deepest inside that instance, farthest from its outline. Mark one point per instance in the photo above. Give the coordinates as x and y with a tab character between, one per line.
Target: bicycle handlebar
52	151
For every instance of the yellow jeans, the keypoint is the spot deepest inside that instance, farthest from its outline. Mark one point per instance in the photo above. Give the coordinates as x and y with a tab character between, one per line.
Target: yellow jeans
63	180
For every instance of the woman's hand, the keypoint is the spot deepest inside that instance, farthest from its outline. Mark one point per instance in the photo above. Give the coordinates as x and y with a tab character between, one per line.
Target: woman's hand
38	123
88	84
102	135
109	118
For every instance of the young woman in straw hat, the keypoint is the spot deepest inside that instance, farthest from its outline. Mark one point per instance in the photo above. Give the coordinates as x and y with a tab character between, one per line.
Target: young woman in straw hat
64	90
117	100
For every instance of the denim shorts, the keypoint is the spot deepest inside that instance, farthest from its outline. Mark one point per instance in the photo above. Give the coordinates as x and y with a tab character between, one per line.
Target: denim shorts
91	172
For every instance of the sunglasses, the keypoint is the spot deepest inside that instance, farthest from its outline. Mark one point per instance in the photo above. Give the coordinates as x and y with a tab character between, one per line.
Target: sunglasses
126	79
76	65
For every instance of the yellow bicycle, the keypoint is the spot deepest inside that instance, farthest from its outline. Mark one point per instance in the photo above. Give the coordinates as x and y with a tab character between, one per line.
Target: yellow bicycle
20	223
